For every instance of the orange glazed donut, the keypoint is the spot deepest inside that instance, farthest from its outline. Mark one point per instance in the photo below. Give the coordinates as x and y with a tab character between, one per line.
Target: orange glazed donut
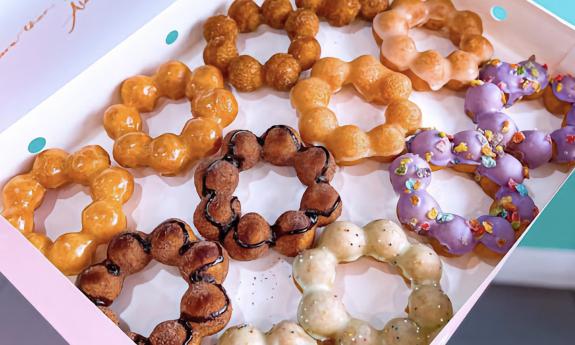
376	84
282	70
110	187
213	108
429	70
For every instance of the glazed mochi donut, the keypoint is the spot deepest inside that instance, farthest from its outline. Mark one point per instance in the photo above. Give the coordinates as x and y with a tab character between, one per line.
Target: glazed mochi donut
376	84
110	187
213	108
205	308
343	12
322	314
501	85
510	213
282	70
218	215
284	333
429	70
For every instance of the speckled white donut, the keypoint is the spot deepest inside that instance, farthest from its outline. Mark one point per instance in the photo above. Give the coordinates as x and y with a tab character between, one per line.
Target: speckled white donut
284	333
323	315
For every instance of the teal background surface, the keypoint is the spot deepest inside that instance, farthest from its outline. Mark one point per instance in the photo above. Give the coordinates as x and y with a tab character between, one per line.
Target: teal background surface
555	228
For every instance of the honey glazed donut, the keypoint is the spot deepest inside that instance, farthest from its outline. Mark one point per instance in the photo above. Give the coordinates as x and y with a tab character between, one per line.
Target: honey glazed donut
249	236
376	84
429	70
205	307
110	187
212	106
282	70
344	12
502	84
322	313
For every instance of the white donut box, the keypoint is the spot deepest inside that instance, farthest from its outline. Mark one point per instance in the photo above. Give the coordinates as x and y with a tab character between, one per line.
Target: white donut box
262	291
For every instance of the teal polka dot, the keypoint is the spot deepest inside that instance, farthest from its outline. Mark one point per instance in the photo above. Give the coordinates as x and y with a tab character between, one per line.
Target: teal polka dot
37	145
172	37
499	13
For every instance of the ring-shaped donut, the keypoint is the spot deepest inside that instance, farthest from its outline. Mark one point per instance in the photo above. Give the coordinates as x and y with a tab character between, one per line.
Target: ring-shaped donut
282	70
285	332
249	236
213	108
510	213
376	84
343	12
205	308
429	70
322	313
110	187
501	84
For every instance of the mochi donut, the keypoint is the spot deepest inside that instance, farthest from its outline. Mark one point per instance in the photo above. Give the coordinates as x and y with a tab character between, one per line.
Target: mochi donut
213	108
205	308
501	85
429	70
249	236
510	213
322	313
376	84
109	187
282	70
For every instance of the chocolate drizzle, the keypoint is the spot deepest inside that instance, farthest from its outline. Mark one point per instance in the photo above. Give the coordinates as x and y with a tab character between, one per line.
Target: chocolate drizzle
232	223
198	276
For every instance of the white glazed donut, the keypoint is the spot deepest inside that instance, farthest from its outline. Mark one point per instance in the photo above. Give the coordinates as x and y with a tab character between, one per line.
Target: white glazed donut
323	315
284	333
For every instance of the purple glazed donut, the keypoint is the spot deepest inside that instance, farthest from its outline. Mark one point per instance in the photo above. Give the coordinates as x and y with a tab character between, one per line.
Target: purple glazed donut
497	127
469	146
515	205
455	235
418	211
532	148
506	169
482	98
515	80
495	233
432	145
570	117
564	139
409	174
563	87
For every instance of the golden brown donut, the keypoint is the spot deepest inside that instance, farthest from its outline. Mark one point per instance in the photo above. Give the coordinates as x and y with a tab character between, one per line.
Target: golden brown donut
429	70
377	84
213	108
205	308
218	215
281	71
343	12
110	187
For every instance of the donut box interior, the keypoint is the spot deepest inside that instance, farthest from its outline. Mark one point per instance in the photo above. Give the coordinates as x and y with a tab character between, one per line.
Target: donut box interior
262	291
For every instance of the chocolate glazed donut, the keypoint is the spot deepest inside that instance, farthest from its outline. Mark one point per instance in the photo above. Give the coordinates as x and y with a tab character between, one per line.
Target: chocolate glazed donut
218	215
205	308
